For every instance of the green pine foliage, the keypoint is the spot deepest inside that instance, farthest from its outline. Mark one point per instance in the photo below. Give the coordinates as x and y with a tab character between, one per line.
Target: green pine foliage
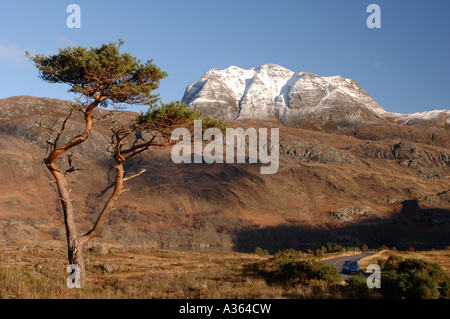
107	76
104	71
166	117
172	112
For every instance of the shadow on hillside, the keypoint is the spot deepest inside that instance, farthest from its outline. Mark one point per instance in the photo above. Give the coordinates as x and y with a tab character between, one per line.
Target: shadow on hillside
398	233
430	216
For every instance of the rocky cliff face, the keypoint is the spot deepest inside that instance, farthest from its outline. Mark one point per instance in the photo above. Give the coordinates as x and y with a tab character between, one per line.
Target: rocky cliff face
300	99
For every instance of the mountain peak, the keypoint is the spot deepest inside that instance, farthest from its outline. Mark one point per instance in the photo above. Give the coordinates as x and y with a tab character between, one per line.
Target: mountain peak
273	92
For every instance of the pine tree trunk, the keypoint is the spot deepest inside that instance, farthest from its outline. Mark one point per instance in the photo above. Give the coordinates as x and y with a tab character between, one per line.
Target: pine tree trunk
74	243
75	254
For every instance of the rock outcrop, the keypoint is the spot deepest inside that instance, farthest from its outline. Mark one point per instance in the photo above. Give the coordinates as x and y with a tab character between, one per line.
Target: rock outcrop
424	163
303	151
351	214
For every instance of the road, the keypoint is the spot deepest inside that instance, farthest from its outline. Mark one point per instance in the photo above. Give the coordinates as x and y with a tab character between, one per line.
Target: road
339	261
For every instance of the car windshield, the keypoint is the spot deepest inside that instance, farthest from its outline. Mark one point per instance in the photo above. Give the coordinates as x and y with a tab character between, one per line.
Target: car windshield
351	263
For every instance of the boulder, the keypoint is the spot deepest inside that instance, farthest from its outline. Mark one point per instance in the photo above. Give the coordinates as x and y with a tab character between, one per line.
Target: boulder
99	249
107	267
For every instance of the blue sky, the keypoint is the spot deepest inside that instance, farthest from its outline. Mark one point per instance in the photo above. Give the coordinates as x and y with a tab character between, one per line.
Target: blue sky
404	66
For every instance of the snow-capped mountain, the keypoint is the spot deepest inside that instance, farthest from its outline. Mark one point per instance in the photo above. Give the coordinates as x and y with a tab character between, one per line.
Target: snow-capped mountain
272	92
436	118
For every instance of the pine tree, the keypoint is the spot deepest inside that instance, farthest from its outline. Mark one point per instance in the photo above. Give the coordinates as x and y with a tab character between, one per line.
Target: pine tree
104	77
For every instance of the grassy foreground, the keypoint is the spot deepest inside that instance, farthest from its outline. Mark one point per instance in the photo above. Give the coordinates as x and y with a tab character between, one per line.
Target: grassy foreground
151	273
40	272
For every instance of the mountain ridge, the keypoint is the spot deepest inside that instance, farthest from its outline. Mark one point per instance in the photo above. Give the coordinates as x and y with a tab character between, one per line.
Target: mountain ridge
272	92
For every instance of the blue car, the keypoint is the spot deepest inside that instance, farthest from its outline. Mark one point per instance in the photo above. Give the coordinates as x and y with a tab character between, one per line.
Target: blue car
350	266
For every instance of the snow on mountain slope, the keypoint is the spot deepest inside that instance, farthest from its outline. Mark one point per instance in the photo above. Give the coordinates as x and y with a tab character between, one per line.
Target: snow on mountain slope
436	118
274	92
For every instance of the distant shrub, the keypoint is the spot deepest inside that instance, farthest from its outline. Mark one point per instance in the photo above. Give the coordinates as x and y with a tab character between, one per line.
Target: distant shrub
390	264
260	252
289	268
287	255
318	252
329	274
334	248
303	271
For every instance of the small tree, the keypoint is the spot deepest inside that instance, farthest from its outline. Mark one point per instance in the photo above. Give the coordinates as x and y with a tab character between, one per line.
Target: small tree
318	252
101	77
260	252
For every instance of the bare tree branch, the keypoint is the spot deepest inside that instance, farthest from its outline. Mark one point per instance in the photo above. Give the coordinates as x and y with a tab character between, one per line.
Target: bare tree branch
135	175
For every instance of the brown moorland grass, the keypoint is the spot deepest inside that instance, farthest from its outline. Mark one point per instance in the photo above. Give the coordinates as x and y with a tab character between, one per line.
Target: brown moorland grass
40	273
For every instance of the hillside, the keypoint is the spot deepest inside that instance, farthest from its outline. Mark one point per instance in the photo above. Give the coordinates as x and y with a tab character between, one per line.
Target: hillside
379	183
